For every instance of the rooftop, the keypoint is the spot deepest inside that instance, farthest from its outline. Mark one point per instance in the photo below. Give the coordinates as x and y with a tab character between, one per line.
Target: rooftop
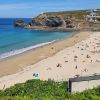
85	78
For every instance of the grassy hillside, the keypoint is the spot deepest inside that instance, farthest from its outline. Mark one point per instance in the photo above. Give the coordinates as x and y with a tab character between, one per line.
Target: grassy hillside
74	12
80	13
77	13
46	90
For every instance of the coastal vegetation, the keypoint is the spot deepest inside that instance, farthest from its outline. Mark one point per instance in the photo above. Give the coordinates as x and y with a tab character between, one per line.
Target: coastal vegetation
46	90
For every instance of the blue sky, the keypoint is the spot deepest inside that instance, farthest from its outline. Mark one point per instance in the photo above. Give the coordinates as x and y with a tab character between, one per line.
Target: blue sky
31	8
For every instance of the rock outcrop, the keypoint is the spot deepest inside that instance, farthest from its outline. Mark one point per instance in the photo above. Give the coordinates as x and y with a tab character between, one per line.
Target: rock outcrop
19	23
51	21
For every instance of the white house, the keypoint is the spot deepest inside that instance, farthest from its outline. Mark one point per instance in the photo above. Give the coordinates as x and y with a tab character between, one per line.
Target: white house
92	17
80	84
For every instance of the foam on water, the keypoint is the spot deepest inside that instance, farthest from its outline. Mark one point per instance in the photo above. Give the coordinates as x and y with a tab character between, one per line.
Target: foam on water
19	51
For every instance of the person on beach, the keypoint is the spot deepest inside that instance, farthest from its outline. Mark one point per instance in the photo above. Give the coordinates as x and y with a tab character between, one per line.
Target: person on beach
76	67
91	60
66	61
87	56
85	70
52	48
59	65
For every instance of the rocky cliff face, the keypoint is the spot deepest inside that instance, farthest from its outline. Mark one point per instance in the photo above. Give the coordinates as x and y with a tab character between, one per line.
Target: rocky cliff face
51	21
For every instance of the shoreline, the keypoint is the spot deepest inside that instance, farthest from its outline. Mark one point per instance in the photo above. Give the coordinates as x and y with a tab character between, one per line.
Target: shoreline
34	47
12	53
19	62
45	28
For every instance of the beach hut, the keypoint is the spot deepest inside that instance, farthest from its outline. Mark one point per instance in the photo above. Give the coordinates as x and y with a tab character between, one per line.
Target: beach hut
80	84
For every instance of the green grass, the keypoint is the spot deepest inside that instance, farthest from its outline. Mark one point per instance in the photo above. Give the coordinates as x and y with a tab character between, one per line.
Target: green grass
79	14
46	90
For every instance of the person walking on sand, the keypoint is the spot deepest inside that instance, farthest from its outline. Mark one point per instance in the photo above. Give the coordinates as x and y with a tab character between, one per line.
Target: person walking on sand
76	67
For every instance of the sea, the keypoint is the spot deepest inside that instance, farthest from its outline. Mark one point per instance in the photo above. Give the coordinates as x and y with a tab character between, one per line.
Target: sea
16	40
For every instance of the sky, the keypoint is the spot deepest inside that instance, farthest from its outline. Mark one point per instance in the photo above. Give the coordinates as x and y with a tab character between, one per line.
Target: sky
31	8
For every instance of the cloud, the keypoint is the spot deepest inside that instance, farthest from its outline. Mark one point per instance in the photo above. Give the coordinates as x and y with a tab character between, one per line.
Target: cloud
15	6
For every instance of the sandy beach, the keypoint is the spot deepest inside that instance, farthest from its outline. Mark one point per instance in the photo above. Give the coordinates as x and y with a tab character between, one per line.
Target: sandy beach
75	56
16	63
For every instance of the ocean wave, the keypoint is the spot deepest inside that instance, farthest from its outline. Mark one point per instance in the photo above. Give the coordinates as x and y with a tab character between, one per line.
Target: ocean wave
19	51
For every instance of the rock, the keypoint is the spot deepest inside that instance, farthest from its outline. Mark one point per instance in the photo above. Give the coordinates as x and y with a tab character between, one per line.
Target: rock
19	23
34	22
69	23
51	21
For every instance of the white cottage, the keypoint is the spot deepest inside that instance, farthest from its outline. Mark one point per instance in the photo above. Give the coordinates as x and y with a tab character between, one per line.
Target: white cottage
80	84
92	17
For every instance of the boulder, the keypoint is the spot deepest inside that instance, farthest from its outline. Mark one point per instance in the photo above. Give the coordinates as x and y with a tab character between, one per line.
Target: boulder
19	23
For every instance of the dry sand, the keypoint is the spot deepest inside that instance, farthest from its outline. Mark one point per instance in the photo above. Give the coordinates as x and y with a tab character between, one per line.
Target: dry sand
78	58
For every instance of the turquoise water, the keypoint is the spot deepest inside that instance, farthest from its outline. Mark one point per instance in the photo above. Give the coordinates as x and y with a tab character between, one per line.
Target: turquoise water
18	39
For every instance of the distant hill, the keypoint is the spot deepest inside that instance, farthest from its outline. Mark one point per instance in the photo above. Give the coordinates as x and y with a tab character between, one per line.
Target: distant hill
64	20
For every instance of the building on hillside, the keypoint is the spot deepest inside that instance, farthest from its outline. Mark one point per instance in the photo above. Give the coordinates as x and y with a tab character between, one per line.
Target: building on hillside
80	84
93	17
